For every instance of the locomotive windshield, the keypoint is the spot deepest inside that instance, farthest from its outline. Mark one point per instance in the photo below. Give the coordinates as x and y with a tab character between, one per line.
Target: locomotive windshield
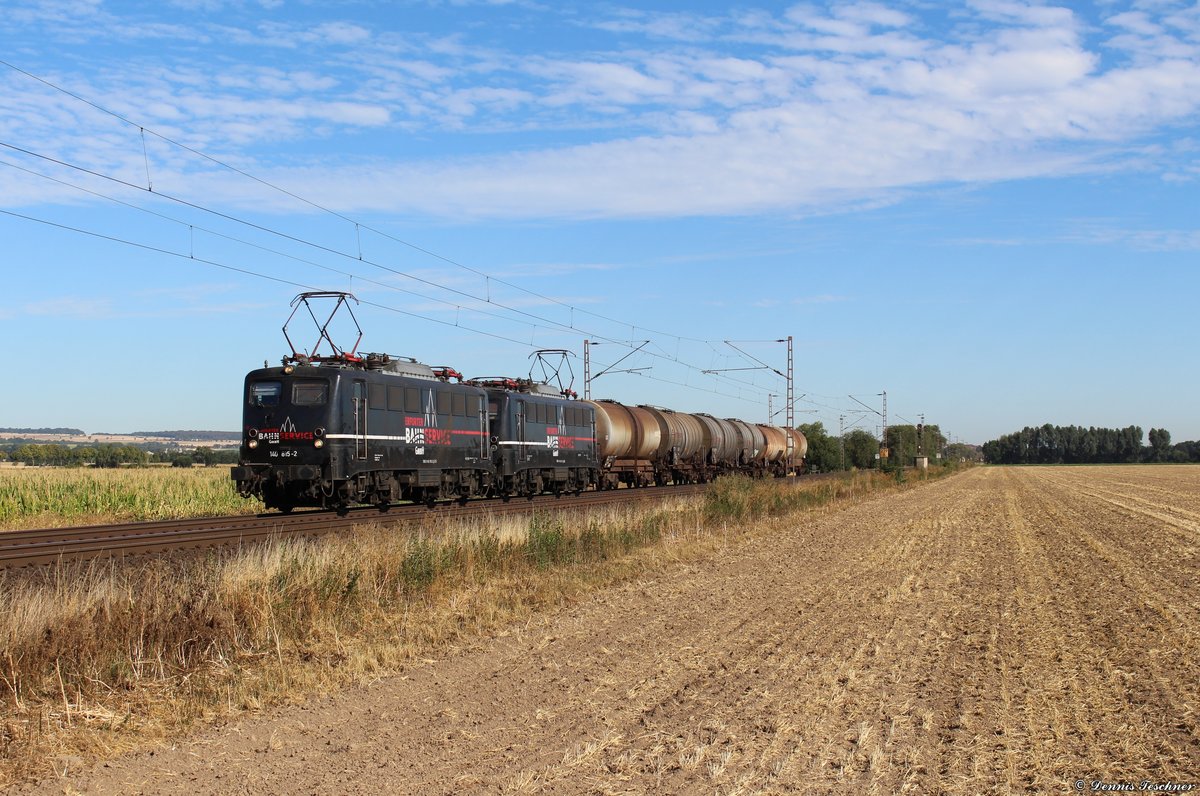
310	393
265	393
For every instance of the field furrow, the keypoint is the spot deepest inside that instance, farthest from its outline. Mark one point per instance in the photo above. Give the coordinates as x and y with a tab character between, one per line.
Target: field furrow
1008	630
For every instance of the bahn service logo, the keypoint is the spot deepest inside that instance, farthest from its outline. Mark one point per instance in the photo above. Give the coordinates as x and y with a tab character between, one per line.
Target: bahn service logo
288	432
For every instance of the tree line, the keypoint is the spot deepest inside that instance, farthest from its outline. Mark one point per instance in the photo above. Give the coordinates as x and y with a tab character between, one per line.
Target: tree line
73	432
904	442
57	455
1049	444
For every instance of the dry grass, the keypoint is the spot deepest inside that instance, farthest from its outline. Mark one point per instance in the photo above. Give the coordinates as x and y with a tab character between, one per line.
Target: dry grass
97	658
49	497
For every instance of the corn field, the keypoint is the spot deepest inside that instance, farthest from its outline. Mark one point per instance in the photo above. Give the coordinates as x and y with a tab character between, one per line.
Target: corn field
46	497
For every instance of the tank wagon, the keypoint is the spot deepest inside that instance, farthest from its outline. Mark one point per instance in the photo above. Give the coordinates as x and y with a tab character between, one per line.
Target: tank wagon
343	429
644	445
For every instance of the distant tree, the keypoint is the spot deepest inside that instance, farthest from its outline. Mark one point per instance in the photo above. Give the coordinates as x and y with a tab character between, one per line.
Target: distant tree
225	456
69	432
202	456
901	445
823	452
1160	444
106	456
1066	444
1186	451
959	451
861	448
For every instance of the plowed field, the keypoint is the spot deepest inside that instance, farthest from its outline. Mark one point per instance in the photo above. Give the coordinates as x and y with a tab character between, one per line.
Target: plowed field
1003	631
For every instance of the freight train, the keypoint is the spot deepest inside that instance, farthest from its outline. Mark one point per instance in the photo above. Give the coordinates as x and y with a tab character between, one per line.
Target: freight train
343	429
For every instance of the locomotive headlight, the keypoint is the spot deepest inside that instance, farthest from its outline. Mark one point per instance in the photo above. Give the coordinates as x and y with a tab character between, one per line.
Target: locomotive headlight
319	432
252	433
320	443
252	444
288	370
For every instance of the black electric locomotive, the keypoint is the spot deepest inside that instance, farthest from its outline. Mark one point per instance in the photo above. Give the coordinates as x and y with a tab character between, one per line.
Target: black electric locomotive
371	430
544	441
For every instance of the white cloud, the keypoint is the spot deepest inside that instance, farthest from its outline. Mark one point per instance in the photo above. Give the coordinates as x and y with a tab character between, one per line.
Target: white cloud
800	112
1106	232
672	26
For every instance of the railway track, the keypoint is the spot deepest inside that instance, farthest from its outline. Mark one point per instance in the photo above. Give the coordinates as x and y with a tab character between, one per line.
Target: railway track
52	545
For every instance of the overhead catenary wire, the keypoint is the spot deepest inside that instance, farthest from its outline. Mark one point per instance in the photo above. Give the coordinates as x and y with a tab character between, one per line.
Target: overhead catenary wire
487	298
192	228
548	323
315	205
306	287
357	224
533	321
237	269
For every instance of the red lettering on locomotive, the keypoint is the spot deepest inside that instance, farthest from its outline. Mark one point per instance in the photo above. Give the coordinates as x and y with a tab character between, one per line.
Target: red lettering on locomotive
437	436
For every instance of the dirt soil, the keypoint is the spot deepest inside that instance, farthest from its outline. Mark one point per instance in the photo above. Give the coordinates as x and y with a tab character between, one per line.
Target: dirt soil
1004	630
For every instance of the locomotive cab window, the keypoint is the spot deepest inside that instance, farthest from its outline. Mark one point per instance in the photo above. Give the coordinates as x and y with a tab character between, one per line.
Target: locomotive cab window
310	393
265	393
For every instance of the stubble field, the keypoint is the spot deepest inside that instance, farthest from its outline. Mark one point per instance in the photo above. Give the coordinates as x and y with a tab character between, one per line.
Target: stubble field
1015	630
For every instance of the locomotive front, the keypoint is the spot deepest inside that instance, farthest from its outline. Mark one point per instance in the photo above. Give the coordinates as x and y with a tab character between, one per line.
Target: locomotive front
284	458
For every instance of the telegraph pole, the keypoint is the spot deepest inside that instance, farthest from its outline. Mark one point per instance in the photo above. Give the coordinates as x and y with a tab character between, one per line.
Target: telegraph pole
587	370
791	411
884	394
587	364
791	388
883	448
842	437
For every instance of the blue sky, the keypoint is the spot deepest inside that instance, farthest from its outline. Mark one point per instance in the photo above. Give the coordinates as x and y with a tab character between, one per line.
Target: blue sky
988	211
